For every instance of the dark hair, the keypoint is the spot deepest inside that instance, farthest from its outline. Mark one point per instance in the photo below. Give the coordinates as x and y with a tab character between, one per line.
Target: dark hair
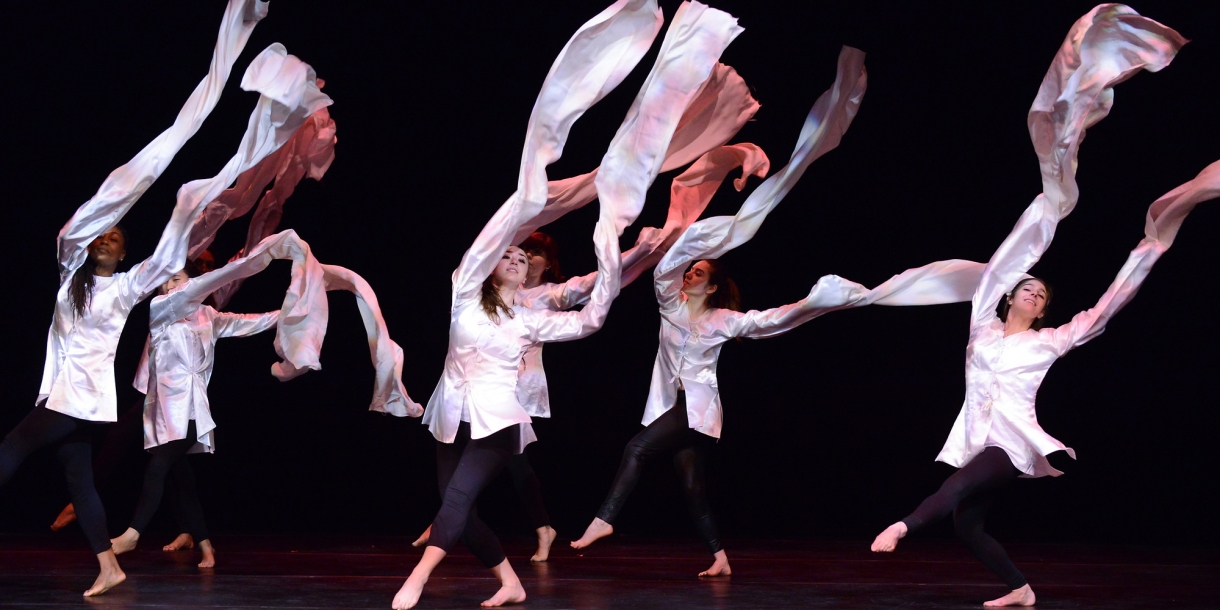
1038	322
726	295
81	289
545	245
492	303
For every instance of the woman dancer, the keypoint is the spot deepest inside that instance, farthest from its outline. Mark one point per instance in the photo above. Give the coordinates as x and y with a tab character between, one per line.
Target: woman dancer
177	417
996	437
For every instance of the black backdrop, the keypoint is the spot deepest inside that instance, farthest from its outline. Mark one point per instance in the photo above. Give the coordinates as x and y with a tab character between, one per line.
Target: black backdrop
830	430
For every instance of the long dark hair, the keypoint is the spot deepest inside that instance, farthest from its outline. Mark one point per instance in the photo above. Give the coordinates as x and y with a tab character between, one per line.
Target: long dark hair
544	244
1038	322
492	303
81	289
726	295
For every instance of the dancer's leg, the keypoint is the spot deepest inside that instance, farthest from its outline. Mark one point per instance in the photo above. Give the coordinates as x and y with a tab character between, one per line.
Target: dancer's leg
529	489
191	511
968	520
987	471
42	427
122	439
163	458
447	457
480	461
664	434
690	462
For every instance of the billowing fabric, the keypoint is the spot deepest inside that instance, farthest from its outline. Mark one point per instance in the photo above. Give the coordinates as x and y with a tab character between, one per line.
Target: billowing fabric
78	375
720	109
1003	374
689	349
301	326
690	193
181	359
481	367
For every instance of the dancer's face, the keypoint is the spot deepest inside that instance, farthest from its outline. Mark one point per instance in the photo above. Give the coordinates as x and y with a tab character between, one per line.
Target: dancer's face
1029	299
174	282
511	269
108	249
694	283
538	264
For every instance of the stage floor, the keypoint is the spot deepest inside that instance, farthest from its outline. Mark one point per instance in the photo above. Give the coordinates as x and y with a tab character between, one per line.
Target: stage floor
364	572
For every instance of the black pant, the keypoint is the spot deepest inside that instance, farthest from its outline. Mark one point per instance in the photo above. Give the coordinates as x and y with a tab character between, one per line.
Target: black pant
968	493
71	438
669	433
463	468
529	489
166	459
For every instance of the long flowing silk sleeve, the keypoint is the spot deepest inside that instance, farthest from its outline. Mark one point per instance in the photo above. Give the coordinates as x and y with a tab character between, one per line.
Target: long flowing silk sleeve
595	60
287	97
1105	47
824	127
718	111
1165	217
124	186
227	324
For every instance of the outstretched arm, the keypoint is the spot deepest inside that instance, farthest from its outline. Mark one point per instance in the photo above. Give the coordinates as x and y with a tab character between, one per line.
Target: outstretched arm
243	324
831	293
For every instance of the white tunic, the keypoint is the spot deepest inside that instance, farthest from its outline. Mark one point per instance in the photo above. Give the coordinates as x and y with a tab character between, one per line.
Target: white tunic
181	361
532	390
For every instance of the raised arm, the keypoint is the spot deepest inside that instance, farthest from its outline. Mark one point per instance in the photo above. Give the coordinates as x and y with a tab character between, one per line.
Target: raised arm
1165	217
824	127
831	293
288	95
595	60
124	186
227	324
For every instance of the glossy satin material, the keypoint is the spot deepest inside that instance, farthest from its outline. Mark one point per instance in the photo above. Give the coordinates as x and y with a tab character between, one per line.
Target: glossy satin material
1105	47
481	367
78	375
181	361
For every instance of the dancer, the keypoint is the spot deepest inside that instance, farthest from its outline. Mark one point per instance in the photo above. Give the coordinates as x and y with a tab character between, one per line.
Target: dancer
177	417
996	437
474	413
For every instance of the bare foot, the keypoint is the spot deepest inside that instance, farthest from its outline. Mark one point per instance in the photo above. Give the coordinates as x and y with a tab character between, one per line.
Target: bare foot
125	542
511	591
546	536
597	529
183	541
887	541
110	576
209	554
508	594
65	518
1019	597
409	594
720	567
423	538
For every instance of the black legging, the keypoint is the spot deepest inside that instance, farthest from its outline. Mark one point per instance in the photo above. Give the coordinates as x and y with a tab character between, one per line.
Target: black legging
669	432
72	439
529	489
167	458
968	494
463	468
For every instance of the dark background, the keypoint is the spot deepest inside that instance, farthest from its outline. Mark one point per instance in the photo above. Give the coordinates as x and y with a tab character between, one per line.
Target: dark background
830	430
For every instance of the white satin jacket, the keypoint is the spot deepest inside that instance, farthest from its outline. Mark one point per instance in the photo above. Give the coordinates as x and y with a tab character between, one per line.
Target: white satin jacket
181	358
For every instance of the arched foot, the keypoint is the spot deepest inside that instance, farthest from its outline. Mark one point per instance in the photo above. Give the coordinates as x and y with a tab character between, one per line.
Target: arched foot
125	542
720	567
887	541
209	554
508	594
183	541
546	537
597	529
1019	597
408	595
65	518
423	538
109	577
